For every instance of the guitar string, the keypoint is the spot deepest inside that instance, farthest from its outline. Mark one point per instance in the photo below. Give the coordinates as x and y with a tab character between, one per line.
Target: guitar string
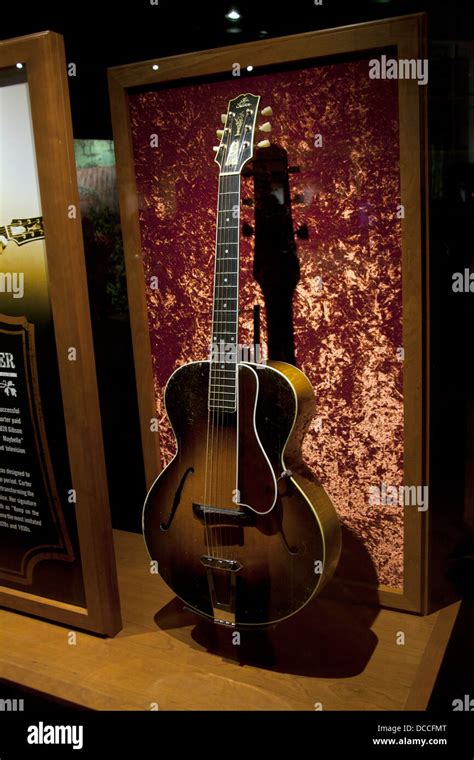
217	377
226	319
215	386
214	400
232	437
232	440
210	412
222	387
217	454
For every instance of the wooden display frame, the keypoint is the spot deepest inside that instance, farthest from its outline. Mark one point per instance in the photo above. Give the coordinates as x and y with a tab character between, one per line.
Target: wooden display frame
44	57
408	35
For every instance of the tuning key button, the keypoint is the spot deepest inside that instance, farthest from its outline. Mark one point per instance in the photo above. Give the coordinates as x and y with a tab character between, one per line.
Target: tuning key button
268	111
263	144
267	127
216	148
223	118
220	133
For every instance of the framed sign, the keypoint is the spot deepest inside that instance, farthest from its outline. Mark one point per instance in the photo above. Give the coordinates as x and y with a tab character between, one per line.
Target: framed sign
349	140
56	550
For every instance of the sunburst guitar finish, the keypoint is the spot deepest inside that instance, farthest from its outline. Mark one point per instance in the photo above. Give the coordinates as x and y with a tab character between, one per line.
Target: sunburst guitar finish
239	531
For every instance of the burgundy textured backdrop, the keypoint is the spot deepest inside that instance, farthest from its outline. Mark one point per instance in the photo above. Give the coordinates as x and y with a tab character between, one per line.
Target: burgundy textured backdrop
346	333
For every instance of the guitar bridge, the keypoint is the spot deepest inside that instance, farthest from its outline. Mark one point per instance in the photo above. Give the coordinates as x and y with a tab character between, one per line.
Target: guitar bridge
215	563
221	516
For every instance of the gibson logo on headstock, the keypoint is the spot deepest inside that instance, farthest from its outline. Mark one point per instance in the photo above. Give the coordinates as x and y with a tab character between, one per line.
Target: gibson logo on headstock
243	102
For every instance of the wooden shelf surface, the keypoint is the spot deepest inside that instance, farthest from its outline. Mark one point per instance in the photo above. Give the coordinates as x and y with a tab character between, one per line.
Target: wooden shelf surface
333	655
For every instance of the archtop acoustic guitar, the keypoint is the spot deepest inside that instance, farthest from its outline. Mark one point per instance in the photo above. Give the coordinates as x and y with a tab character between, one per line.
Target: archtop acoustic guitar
238	529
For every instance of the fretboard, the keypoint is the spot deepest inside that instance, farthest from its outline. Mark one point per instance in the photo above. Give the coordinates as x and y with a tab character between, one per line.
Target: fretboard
223	367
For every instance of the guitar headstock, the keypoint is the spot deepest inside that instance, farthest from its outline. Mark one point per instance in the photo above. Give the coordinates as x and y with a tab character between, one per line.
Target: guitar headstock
25	230
238	134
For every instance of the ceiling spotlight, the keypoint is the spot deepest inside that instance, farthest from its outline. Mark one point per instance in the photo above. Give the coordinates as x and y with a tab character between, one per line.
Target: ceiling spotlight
233	15
155	67
19	65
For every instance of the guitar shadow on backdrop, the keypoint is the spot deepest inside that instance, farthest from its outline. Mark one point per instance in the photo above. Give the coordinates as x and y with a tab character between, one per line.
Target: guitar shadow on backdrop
331	636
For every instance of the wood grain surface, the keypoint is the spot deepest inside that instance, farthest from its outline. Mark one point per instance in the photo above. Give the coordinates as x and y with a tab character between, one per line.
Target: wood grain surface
339	655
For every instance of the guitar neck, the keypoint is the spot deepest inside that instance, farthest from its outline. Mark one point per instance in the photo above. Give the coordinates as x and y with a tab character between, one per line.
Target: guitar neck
222	385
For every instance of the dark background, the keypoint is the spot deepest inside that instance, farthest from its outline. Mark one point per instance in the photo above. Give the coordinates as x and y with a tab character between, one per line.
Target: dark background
99	35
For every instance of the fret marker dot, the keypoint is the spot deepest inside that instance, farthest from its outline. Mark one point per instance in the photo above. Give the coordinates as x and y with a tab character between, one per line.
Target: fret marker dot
225	279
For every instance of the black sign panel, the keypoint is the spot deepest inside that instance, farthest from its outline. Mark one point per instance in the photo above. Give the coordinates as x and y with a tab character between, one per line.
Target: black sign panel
32	526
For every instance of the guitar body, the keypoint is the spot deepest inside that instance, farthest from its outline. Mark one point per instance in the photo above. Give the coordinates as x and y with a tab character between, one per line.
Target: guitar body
239	532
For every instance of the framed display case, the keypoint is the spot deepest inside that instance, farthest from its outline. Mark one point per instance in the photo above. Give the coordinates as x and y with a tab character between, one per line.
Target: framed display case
348	303
56	550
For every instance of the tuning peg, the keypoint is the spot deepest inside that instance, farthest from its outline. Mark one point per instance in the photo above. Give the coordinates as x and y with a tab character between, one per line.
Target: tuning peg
267	127
268	111
220	133
216	148
223	118
263	144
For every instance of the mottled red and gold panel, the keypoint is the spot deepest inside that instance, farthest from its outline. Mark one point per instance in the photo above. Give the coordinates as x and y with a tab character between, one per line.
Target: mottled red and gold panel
341	128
